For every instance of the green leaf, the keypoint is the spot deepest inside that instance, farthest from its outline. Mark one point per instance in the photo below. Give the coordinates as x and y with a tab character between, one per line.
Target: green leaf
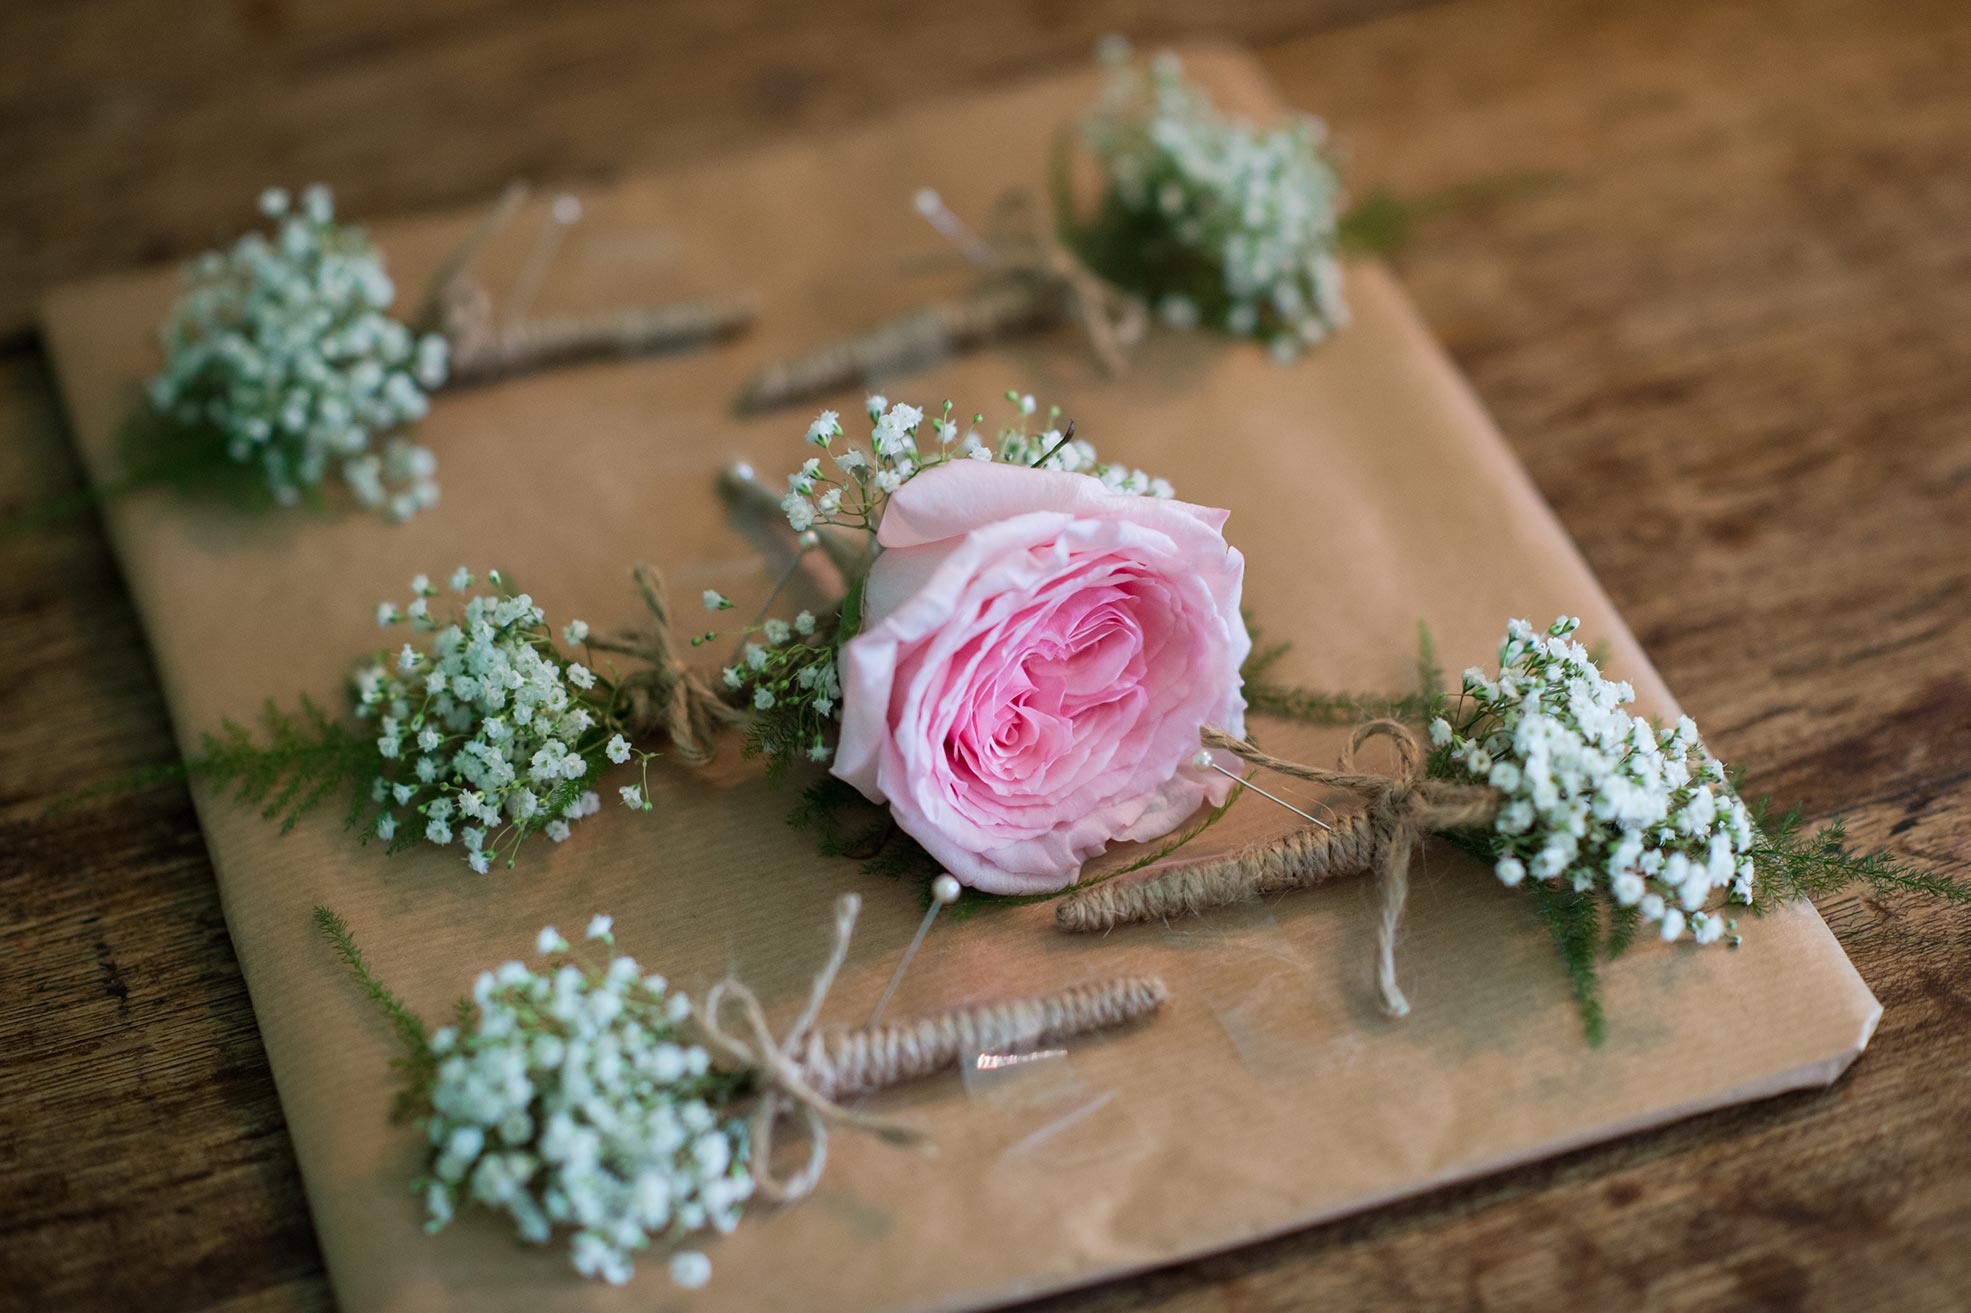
1575	924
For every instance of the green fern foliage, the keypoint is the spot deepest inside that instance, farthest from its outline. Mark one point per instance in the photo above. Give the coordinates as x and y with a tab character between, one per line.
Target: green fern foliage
416	1064
305	757
1796	863
1574	919
1311	706
846	824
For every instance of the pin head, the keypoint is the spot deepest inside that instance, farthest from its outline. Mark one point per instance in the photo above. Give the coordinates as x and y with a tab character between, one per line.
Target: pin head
946	889
742	470
1204	760
809	540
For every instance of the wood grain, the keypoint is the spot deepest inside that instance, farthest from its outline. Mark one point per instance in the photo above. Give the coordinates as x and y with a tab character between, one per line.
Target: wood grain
134	132
1730	345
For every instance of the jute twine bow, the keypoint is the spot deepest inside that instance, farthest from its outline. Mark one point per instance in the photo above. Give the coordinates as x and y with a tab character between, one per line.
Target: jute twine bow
1401	809
809	1070
786	1086
665	696
1112	319
1031	282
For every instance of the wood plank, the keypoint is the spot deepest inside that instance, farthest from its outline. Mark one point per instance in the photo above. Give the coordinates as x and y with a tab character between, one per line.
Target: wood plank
133	132
1730	346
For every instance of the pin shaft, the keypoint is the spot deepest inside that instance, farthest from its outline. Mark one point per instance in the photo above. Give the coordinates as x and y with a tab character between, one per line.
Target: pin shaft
1264	794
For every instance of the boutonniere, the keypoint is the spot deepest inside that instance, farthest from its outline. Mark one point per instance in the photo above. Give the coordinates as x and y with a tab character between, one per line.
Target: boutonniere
488	726
1614	826
286	360
1203	217
1024	665
588	1098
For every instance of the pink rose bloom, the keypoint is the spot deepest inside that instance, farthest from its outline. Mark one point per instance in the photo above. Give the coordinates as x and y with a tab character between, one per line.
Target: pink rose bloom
1036	658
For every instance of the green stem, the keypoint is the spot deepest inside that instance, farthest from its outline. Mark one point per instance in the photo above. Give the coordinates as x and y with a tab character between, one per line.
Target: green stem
1381	222
409	1029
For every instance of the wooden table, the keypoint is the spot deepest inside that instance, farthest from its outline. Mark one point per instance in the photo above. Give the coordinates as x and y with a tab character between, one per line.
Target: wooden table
1733	345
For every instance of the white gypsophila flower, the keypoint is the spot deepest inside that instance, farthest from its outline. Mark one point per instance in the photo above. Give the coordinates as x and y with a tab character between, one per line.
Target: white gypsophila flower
574	1101
1246	219
282	348
1593	795
854	495
487	729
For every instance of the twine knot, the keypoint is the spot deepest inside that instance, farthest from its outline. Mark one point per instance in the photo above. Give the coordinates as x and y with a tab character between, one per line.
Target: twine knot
1018	245
666	696
1403	807
780	1068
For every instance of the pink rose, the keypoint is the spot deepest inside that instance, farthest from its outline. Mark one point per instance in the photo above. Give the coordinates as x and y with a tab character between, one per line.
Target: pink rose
1036	657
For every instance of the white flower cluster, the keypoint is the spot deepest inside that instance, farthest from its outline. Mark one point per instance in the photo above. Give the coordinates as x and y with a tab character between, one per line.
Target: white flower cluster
1594	795
282	346
575	1100
855	490
792	674
1227	224
489	735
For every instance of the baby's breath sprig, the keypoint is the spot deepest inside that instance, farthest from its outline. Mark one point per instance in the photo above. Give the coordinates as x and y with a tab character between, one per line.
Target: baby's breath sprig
283	353
853	494
490	734
479	732
1621	826
594	1098
1211	219
786	673
572	1095
1592	796
483	729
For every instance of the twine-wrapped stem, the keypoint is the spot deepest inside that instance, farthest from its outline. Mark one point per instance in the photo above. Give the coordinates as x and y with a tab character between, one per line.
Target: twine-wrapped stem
484	355
459	307
1030	282
841	1061
1297	860
1008	305
1400	810
807	1072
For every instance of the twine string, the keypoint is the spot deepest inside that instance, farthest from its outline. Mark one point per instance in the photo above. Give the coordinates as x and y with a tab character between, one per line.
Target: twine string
787	1089
808	1071
665	696
1111	319
1401	809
